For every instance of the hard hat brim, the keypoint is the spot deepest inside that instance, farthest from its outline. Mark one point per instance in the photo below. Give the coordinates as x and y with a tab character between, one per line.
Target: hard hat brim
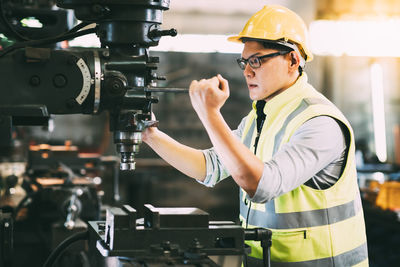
235	39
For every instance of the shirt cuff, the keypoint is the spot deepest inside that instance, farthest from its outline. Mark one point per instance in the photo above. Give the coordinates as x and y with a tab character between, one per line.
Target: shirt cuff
208	180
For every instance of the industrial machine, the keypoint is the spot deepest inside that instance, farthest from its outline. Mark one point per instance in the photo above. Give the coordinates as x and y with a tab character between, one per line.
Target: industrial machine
165	237
40	77
118	78
53	196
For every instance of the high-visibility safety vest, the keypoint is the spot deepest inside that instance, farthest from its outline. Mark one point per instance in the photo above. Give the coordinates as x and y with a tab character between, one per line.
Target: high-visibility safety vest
310	227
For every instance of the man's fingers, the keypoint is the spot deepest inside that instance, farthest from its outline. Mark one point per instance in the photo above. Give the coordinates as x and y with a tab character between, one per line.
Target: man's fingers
214	83
153	116
192	86
193	83
223	83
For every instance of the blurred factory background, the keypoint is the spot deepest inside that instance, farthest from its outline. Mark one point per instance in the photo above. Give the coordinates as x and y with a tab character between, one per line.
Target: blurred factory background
356	65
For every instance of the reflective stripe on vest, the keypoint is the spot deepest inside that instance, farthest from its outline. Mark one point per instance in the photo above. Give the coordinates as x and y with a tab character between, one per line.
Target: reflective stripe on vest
292	220
349	258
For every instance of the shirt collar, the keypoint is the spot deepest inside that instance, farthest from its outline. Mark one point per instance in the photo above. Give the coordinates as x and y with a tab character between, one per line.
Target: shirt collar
294	91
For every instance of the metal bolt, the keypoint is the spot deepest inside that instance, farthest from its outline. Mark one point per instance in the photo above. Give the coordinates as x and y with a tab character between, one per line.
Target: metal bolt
59	81
106	53
116	86
34	80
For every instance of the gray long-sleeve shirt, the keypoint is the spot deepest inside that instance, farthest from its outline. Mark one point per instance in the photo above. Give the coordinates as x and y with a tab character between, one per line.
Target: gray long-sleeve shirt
313	156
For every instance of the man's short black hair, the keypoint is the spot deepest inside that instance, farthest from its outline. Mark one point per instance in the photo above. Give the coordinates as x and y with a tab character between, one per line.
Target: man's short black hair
276	46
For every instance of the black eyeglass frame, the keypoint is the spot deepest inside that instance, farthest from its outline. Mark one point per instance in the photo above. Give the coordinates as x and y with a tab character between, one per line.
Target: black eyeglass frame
243	62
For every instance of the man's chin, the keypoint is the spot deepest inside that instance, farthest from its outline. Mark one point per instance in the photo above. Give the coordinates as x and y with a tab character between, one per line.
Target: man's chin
256	97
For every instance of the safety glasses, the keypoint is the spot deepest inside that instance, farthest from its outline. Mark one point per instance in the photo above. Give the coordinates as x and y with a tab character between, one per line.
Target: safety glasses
255	61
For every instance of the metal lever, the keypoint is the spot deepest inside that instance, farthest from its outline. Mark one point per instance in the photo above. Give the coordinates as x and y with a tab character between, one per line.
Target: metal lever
166	90
263	235
159	89
157	33
73	210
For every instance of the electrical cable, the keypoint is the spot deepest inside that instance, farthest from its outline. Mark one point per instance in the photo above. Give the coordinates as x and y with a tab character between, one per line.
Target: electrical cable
63	245
6	23
78	27
248	213
247	223
20	37
260	123
57	39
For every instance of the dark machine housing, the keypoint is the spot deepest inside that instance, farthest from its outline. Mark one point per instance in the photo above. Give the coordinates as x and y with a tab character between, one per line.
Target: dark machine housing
38	81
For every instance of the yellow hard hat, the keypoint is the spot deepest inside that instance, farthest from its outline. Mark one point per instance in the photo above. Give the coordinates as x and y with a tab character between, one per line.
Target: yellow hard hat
280	24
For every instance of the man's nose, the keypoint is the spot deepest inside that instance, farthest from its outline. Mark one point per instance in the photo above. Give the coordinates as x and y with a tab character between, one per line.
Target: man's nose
248	71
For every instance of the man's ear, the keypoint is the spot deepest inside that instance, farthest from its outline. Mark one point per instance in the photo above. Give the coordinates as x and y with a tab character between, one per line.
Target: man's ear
294	60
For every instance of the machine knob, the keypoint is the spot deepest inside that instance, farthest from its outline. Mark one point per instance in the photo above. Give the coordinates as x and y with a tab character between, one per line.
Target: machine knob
11	181
154	34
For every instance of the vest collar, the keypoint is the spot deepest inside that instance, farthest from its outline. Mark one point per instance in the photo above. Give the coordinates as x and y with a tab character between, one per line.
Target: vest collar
280	100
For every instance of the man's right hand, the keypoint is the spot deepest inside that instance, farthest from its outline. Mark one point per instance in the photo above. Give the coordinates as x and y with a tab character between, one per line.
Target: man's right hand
149	131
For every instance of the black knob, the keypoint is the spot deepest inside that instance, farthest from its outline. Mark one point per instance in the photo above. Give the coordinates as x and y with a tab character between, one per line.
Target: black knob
116	86
11	181
157	33
34	80
59	81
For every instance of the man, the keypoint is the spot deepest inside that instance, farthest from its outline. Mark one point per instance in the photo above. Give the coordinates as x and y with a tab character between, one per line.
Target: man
292	156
